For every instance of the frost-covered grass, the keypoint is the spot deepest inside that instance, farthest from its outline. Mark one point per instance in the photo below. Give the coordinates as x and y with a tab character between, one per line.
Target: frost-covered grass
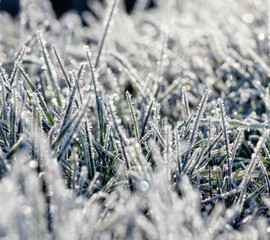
149	126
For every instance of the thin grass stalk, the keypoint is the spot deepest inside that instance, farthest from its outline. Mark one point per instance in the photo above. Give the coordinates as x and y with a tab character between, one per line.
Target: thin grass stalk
86	155
158	134
3	73
253	161
236	145
4	104
168	150
267	180
68	108
81	71
20	122
63	133
196	125
227	143
185	101
122	142
12	121
77	84
34	129
34	90
98	102
105	31
264	170
193	161
18	60
169	90
49	67
177	146
134	119
3	135
62	65
81	114
88	135
146	118
107	136
134	78
146	136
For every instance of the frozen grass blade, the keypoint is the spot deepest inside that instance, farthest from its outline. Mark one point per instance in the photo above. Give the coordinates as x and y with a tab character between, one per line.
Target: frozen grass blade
34	90
131	73
64	131
157	133
4	104
18	60
177	146
105	32
196	125
122	144
250	167
3	73
135	123
146	118
227	144
261	161
77	84
12	121
49	68
61	64
169	90
98	101
168	150
89	145
146	136
185	101
81	113
68	108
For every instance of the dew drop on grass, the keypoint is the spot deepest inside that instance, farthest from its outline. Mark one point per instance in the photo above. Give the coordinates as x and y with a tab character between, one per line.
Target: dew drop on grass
26	209
261	36
23	115
144	186
33	164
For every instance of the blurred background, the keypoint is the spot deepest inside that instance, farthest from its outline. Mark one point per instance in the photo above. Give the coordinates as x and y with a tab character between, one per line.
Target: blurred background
62	6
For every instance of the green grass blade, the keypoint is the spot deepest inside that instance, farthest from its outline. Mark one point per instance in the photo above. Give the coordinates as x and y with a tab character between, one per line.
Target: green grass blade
135	123
49	68
34	90
107	25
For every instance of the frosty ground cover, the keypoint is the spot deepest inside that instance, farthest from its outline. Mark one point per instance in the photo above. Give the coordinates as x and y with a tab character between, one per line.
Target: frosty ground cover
153	125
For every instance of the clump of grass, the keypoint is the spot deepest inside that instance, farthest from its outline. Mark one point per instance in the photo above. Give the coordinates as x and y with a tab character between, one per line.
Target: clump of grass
164	137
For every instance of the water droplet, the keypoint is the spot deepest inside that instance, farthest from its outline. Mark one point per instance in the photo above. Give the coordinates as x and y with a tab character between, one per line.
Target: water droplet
33	164
26	209
23	115
144	186
261	36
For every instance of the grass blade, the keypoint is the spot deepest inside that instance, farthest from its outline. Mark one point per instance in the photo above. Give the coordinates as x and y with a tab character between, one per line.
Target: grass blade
107	25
